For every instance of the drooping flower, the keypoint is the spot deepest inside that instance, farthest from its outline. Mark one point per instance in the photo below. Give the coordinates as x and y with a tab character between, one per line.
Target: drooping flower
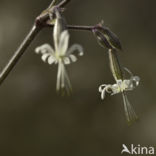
122	84
60	54
119	87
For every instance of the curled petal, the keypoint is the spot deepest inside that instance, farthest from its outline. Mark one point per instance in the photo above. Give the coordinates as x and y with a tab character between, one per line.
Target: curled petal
66	60
103	94
102	87
51	60
37	50
45	48
136	79
74	48
73	58
105	88
44	57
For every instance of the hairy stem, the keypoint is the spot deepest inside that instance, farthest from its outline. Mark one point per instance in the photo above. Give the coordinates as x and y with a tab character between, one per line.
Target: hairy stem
20	51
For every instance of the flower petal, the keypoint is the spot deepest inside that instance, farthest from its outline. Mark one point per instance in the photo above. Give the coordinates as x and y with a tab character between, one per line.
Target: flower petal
136	79
102	87
115	88
51	60
44	57
66	60
103	93
73	58
37	50
45	48
75	47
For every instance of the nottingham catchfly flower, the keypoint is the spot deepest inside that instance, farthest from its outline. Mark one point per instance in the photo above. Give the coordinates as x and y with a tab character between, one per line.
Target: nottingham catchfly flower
60	55
122	84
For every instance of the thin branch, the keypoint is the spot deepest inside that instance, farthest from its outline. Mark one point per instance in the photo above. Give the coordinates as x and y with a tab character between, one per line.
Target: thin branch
20	51
78	27
52	3
63	3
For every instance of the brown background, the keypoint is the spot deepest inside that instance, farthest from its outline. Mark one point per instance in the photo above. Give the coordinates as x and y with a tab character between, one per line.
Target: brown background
35	121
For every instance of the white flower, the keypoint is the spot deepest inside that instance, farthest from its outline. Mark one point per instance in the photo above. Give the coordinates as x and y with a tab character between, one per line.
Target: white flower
61	56
121	86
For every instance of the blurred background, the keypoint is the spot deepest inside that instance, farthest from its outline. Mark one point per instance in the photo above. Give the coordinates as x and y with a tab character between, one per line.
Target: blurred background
35	121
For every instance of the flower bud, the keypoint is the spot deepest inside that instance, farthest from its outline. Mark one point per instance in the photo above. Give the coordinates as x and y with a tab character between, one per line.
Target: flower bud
101	39
110	36
106	35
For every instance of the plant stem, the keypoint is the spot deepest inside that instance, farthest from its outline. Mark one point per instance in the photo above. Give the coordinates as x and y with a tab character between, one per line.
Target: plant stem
76	27
85	28
20	51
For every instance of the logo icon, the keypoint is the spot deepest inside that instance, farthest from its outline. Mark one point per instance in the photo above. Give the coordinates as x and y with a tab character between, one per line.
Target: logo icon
125	149
137	150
